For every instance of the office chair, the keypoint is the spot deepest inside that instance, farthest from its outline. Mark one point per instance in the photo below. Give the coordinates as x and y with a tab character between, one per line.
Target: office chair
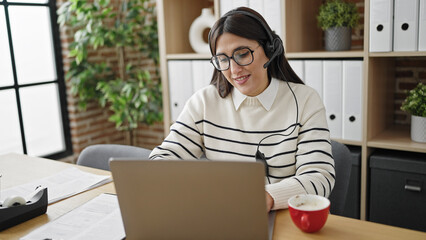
97	156
342	162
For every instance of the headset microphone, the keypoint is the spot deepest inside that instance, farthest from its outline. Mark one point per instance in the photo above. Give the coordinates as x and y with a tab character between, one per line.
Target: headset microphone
267	63
277	48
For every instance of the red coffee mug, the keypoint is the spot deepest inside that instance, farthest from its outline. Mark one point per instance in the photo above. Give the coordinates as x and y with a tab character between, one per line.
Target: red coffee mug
309	212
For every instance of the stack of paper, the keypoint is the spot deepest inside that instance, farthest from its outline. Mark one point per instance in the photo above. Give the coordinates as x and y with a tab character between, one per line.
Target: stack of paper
66	183
99	218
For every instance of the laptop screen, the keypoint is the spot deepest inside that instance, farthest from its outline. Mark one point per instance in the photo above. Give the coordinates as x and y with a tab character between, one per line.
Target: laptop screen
191	199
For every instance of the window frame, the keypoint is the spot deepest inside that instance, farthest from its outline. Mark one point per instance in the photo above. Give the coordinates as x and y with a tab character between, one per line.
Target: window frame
60	81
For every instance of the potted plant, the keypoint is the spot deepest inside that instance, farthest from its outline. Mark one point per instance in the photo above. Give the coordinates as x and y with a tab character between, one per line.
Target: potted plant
415	104
337	18
128	28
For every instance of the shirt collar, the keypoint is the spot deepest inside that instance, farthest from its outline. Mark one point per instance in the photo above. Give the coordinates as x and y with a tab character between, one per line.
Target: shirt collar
266	98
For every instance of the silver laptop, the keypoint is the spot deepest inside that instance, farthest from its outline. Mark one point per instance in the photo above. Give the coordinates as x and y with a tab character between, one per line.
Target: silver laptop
191	199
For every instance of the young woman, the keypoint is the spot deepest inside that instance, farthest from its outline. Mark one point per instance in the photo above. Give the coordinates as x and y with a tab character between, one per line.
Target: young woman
256	108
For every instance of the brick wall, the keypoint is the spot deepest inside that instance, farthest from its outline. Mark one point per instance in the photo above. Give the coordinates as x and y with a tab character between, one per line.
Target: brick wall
409	72
92	126
358	33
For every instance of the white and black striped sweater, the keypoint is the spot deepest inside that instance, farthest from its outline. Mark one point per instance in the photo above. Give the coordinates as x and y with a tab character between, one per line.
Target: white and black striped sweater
298	163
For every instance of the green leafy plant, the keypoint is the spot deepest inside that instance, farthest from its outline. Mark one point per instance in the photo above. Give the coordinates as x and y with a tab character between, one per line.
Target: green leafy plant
128	26
336	13
415	103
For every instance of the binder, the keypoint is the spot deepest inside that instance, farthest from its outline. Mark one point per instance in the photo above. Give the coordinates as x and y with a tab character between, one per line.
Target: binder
208	72
313	75
269	9
272	15
406	25
381	25
180	85
257	5
202	72
298	68
239	3
225	6
332	78
352	100
422	25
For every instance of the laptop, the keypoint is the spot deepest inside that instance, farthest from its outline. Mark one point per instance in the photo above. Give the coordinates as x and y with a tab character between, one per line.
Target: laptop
178	199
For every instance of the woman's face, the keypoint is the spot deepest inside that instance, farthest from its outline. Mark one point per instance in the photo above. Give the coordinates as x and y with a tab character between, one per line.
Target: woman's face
252	79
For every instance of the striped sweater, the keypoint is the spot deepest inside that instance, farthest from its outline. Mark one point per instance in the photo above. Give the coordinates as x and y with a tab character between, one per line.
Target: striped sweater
231	128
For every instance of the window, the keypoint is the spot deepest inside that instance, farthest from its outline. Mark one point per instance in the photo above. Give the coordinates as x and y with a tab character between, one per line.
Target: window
33	118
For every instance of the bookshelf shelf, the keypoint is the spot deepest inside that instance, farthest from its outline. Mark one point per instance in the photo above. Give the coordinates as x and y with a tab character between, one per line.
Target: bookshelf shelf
399	54
396	138
188	56
324	54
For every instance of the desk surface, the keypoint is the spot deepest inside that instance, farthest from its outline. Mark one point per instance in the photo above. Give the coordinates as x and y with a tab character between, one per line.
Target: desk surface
19	169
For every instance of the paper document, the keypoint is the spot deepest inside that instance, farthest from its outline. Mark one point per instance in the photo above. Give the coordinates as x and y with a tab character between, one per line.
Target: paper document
99	218
63	184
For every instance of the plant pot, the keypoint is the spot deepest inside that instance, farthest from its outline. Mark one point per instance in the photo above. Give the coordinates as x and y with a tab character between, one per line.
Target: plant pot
338	39
418	129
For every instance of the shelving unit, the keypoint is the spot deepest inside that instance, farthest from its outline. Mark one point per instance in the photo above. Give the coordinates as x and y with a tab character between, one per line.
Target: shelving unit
303	40
325	55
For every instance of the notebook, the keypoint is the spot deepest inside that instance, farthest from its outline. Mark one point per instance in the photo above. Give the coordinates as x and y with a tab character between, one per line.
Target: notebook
191	199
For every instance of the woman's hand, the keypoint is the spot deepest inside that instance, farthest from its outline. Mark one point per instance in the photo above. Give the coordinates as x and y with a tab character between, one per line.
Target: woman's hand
269	202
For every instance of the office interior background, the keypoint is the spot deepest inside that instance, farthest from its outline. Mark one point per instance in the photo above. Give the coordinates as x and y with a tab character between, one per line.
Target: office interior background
39	114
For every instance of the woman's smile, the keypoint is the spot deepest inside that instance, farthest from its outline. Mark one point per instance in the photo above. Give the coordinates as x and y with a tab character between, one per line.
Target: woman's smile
241	79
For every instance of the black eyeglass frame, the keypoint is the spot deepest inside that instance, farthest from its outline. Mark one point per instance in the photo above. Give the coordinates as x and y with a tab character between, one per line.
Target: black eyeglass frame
233	58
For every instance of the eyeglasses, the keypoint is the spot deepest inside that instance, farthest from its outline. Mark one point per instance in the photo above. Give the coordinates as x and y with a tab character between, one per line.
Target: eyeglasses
242	56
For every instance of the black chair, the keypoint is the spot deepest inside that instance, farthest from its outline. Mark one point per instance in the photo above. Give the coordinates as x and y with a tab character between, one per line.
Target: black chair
97	156
342	162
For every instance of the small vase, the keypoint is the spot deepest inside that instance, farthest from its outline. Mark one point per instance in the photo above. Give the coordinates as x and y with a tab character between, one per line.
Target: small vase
338	39
204	21
418	129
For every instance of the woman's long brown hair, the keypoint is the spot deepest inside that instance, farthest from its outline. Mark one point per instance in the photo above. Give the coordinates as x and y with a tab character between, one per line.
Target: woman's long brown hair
248	27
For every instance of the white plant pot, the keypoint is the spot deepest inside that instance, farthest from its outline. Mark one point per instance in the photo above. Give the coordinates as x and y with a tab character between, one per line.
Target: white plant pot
418	129
204	21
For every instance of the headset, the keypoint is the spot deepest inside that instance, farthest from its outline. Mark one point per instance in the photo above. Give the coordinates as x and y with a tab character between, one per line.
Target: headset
274	47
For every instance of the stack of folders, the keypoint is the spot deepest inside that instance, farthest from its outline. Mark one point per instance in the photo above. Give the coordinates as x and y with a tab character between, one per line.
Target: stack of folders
185	78
397	25
269	9
339	83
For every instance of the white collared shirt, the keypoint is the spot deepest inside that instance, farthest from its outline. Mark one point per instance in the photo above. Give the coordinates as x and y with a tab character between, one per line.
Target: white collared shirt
266	98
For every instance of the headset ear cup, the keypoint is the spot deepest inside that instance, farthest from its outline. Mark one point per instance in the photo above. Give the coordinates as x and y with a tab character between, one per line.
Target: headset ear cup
278	46
274	49
270	49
